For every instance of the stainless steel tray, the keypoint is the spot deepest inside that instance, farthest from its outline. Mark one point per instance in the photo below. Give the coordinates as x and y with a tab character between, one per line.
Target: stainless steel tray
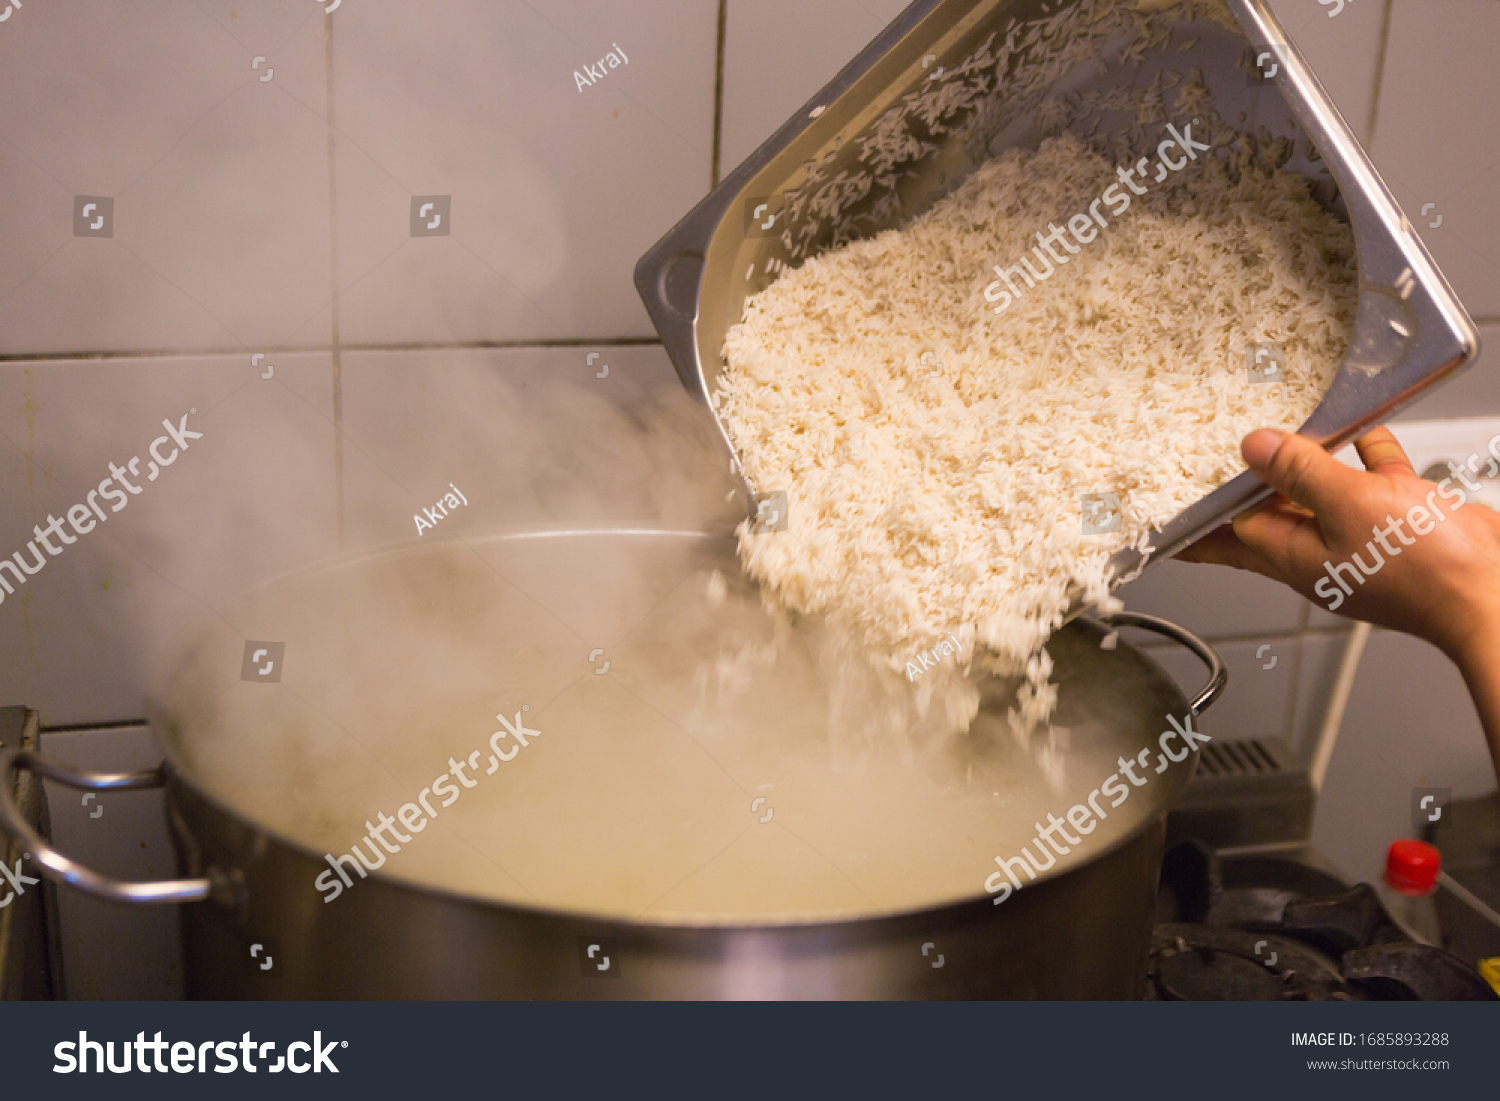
810	182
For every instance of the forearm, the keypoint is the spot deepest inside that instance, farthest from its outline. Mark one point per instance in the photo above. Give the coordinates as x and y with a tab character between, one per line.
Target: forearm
1480	664
1442	584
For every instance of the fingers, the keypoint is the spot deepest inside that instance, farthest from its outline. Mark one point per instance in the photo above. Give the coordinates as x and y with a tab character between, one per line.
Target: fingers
1217	548
1286	538
1298	469
1222	547
1380	451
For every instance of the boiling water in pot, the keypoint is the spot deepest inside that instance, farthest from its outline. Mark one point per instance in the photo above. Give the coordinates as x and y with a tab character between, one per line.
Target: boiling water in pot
654	756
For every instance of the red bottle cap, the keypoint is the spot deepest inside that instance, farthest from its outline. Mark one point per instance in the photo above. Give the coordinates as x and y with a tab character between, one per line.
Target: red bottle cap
1412	867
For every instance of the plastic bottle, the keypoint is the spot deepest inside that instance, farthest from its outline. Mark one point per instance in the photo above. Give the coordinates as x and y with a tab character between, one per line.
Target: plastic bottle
1410	881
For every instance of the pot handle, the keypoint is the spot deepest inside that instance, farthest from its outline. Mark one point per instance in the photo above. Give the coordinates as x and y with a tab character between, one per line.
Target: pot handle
1218	676
56	866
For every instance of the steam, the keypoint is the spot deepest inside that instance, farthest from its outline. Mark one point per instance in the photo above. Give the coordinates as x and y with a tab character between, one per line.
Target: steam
401	653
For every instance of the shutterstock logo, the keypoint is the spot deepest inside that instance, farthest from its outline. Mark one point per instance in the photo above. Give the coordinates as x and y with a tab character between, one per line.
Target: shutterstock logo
188	1057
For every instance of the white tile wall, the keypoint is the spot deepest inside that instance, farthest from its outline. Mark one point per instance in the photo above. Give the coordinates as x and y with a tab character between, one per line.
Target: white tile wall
1343	47
556	190
1318	669
525	434
1258	700
252	498
219	181
1473	393
1214	602
1410	723
1437	139
242	205
777	53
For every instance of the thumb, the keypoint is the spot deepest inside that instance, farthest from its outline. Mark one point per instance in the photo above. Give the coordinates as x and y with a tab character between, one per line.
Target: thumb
1298	469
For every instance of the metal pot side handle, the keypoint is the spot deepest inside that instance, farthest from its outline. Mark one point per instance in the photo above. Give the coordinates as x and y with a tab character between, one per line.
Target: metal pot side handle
1218	676
58	867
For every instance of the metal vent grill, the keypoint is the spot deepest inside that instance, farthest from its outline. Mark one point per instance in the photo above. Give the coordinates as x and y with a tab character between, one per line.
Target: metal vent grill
1249	758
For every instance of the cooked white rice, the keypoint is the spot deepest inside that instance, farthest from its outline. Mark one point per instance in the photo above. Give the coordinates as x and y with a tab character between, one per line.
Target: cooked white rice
935	453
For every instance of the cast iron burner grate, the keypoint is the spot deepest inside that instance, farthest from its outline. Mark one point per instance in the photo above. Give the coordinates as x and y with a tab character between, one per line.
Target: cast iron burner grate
1268	928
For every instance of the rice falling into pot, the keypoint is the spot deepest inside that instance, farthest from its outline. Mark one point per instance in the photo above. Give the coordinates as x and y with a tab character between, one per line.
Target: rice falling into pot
936	455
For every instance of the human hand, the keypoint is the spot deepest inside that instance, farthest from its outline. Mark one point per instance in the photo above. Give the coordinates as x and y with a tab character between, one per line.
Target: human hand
1426	565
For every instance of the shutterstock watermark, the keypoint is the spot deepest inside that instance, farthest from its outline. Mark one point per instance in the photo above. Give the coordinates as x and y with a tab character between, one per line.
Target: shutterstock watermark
17	881
191	1057
88	513
386	838
1423	518
1082	817
1086	227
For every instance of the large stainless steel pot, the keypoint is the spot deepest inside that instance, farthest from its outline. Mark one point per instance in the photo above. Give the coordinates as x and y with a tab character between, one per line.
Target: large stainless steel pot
655	839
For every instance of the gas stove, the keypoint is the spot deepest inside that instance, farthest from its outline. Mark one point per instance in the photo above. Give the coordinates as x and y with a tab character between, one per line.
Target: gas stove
1274	926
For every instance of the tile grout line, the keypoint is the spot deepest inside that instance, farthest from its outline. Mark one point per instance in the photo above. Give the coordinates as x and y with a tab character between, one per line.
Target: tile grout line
405	346
1385	35
333	289
713	170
